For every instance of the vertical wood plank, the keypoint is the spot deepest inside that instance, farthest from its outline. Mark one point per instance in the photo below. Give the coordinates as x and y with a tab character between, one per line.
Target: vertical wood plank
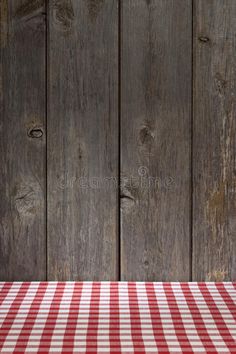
155	139
22	141
83	140
214	141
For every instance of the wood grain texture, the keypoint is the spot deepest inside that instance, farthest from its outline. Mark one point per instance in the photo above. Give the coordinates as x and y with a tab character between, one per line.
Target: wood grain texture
214	141
83	140
22	154
155	139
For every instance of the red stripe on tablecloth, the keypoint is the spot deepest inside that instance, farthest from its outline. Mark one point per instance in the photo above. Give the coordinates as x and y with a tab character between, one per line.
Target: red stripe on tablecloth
45	340
157	327
68	341
91	339
219	321
197	317
227	299
30	319
4	292
135	320
114	327
12	312
180	331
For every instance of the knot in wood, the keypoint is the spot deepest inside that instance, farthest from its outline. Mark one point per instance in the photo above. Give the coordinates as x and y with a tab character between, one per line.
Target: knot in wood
63	15
127	200
27	198
35	132
203	39
146	136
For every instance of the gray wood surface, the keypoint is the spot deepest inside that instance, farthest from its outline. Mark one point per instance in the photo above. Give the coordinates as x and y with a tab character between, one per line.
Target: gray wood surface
83	140
22	141
214	141
155	139
137	104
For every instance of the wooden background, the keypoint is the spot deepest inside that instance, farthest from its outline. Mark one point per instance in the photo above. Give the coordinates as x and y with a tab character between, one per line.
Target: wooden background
118	140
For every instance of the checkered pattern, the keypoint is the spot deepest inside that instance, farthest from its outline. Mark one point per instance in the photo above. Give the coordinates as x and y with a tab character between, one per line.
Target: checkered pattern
117	317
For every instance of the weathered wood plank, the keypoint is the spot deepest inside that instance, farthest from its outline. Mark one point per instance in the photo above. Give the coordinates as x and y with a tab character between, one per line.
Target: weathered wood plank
155	139
83	140
22	148
214	141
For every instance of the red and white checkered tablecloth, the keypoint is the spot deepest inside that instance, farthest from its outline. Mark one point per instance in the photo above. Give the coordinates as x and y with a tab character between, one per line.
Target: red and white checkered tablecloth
117	317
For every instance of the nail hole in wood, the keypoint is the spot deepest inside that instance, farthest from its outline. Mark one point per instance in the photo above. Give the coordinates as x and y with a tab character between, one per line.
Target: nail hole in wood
35	133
